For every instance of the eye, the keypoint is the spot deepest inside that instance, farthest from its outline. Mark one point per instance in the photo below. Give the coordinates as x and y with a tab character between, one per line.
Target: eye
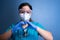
22	11
29	12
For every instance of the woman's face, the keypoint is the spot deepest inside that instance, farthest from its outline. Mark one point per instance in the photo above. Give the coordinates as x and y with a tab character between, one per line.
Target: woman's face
25	13
25	9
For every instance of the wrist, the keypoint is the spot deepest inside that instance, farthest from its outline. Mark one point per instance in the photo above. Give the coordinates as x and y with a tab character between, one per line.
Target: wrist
37	28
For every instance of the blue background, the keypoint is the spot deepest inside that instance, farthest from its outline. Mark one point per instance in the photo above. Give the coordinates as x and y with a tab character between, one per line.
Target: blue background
46	12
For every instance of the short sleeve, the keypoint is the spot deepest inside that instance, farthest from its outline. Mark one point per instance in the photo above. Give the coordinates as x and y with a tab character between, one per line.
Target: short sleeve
10	28
39	25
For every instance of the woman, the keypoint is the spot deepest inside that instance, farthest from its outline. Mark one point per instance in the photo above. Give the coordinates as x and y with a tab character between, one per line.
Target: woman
26	29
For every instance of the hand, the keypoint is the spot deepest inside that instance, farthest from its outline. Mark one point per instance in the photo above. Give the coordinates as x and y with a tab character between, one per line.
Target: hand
33	26
20	25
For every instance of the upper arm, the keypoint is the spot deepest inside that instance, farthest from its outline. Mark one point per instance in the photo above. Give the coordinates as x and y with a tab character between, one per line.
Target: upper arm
40	26
5	35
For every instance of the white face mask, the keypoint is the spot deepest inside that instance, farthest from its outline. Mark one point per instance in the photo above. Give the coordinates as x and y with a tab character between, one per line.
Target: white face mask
25	16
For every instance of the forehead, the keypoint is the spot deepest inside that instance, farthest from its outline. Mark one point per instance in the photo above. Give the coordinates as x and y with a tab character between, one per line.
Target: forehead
26	8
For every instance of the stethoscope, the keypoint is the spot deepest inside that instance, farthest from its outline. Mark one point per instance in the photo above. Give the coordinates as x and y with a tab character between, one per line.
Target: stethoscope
25	31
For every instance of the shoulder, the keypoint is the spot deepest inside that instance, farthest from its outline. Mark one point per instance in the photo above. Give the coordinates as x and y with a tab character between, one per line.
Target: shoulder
13	26
10	27
39	25
36	23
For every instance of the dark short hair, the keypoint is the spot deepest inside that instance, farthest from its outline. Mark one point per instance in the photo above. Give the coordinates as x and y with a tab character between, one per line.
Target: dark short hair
24	4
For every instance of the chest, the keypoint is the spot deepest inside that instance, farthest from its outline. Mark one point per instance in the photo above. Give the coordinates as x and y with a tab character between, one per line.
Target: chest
28	35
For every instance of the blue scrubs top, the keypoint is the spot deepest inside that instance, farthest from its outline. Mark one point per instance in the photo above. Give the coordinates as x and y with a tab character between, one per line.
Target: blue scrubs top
32	34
